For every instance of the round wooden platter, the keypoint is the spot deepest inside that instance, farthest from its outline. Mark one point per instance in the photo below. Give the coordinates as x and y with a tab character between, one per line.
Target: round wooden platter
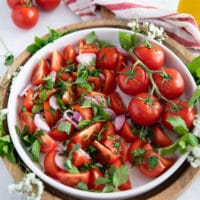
170	188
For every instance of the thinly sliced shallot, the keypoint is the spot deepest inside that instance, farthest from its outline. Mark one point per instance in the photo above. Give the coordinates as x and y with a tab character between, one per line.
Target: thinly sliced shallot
86	58
119	121
69	118
110	112
53	76
53	103
59	160
40	123
23	92
77	116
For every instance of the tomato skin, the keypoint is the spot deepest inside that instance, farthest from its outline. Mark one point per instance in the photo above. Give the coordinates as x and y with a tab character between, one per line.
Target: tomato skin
170	83
185	112
107	58
13	3
117	103
48	144
87	48
28	100
95	173
105	155
121	63
58	135
142	112
73	179
95	81
26	120
110	83
50	166
127	133
86	113
80	157
67	97
40	71
25	17
86	136
48	4
56	61
152	57
69	54
133	80
109	130
159	137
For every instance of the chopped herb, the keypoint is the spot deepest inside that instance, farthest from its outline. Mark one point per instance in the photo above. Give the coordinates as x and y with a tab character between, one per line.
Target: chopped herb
87	103
9	60
91	38
48	83
127	41
84	123
35	150
152	161
65	127
36	108
82	186
137	156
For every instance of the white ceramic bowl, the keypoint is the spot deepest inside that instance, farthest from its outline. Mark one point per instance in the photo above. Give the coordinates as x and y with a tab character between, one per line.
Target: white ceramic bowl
139	182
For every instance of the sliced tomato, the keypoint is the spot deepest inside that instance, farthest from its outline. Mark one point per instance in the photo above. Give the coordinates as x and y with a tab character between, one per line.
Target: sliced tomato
159	137
105	155
48	144
56	61
72	180
127	133
58	135
86	113
95	81
26	120
51	115
110	83
86	136
121	63
117	103
28	100
40	71
108	130
95	173
69	54
87	48
67	97
50	166
64	76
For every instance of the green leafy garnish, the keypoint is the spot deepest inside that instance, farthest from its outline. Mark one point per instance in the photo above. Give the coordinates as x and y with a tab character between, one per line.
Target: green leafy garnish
137	156
9	60
127	41
82	186
35	150
64	127
152	161
91	38
195	97
194	68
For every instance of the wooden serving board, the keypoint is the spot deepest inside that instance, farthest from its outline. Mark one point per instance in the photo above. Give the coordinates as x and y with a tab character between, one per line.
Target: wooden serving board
172	187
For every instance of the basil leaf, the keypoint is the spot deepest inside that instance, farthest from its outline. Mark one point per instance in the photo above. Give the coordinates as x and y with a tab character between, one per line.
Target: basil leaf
194	68
101	181
65	127
91	38
127	41
195	97
35	150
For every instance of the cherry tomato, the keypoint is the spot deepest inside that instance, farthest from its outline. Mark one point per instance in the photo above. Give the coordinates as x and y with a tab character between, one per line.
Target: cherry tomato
28	100
145	109
117	104
127	133
133	80
109	82
179	109
151	55
159	137
40	71
48	4
69	54
105	156
26	120
86	136
56	61
51	115
95	173
107	58
25	17
48	144
50	166
73	179
13	3
121	63
170	83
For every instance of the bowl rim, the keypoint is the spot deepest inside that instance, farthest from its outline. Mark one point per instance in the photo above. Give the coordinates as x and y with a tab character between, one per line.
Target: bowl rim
69	190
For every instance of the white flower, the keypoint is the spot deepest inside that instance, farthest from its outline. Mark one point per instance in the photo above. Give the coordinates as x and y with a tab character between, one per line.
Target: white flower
196	124
3	113
30	187
134	25
194	156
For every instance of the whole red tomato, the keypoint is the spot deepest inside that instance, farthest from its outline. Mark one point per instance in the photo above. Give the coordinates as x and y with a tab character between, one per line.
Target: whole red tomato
181	109
151	55
24	16
13	3
133	80
48	4
107	58
144	109
170	83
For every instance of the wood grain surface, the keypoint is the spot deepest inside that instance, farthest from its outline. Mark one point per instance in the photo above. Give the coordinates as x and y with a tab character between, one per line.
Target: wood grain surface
171	188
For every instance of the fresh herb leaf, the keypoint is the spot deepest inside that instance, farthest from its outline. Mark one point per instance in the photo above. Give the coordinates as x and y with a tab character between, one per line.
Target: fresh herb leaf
152	161
87	103
36	108
82	186
91	38
108	188
48	83
104	43
64	127
137	156
35	150
9	60
178	125
127	41
84	123
194	68
120	176
102	180
195	97
99	114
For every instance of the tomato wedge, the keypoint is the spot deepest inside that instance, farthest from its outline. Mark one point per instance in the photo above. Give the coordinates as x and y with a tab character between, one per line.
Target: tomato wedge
48	144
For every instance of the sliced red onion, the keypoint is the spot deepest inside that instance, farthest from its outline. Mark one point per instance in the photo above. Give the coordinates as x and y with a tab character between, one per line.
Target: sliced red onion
77	116
101	100
94	101
59	160
84	153
110	112
119	121
102	77
121	50
53	76
23	92
40	123
68	118
53	103
86	58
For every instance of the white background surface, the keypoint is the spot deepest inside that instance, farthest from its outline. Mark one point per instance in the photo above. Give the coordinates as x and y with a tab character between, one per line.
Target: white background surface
16	40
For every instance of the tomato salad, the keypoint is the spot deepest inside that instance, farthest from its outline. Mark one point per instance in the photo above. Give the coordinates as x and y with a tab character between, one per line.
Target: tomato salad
73	113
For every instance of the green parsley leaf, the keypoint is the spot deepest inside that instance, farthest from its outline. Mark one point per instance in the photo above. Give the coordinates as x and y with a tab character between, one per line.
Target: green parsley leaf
91	38
152	161
178	125
9	60
120	176
108	188
84	123
87	103
65	127
127	41
35	150
195	97
102	180
194	68
36	108
137	156
82	186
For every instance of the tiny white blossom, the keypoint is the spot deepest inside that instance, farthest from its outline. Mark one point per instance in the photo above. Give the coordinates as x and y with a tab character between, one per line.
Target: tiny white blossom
134	25
196	152
3	113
